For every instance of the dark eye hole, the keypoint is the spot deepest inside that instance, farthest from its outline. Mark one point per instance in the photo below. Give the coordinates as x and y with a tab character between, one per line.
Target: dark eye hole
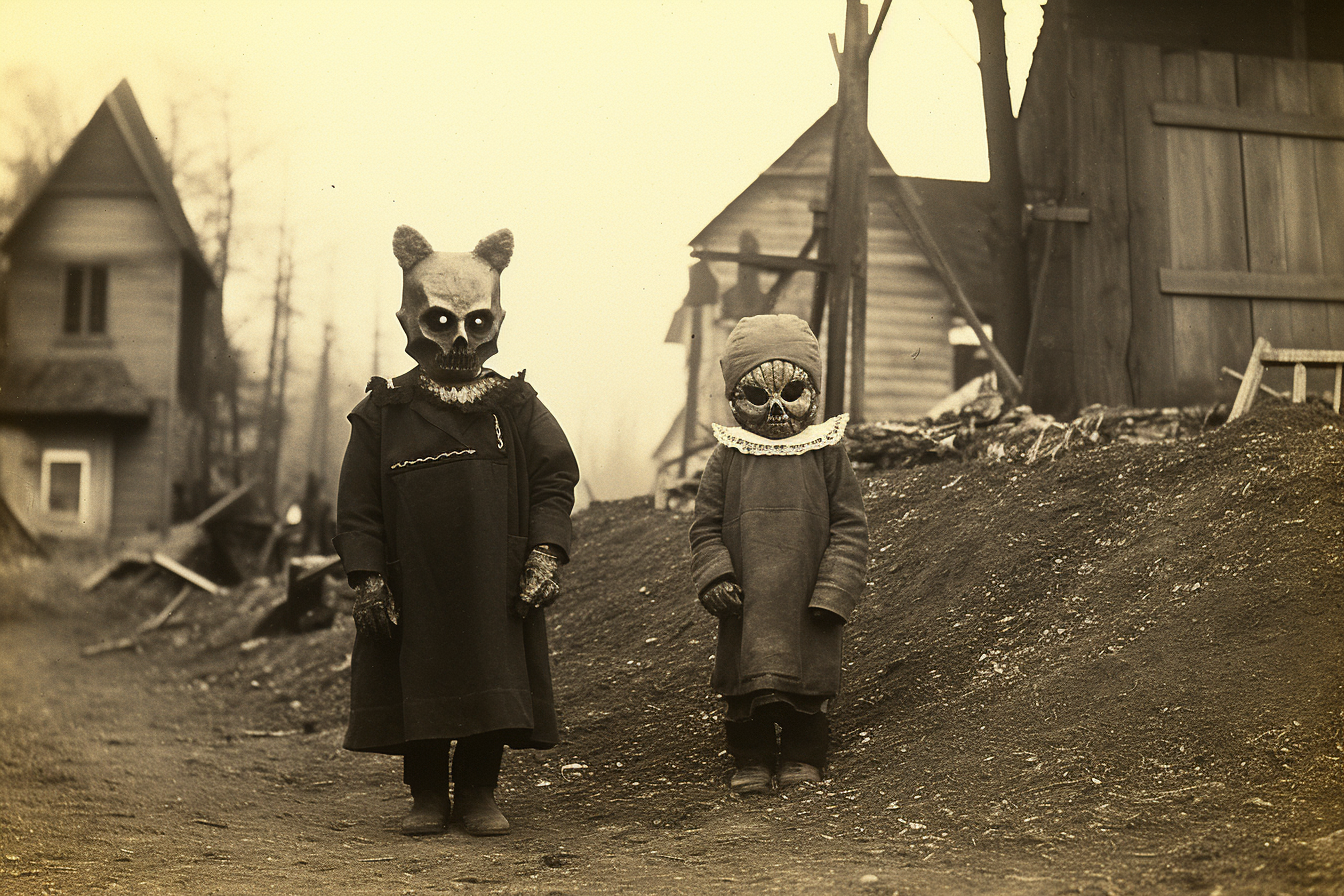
480	321
755	394
438	321
793	391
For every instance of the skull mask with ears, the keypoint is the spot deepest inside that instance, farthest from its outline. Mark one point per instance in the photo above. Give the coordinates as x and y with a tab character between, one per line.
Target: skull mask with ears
775	400
450	306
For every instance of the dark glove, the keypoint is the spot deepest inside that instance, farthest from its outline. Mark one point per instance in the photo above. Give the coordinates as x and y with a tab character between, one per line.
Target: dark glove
375	609
825	617
540	583
723	599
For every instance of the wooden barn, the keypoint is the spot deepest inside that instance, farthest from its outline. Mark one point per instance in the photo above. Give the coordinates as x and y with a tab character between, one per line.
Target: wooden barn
106	307
1184	164
922	235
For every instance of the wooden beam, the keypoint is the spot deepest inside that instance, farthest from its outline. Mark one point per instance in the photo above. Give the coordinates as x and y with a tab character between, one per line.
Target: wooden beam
1251	284
1301	356
1071	213
847	201
221	505
1233	118
1250	382
764	262
906	207
178	569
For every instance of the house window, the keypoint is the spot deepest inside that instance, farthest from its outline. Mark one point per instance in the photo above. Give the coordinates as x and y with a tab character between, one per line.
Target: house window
85	299
65	482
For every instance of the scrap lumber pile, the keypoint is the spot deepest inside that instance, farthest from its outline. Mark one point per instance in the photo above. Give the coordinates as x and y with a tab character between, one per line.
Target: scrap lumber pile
208	554
984	428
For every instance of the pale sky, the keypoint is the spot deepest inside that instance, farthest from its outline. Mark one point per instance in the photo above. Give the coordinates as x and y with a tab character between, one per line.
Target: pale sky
605	134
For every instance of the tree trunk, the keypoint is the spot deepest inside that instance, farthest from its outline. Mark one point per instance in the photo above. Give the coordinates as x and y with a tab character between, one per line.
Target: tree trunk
1007	240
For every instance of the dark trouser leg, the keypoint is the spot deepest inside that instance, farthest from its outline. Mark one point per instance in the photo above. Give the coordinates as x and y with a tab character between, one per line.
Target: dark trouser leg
477	759
425	765
751	741
804	736
425	770
475	774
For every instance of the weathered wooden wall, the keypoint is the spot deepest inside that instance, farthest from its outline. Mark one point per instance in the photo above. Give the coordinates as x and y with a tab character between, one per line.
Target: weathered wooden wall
1215	189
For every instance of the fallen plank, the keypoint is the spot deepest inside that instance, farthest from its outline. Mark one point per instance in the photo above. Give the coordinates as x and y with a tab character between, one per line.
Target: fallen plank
112	566
158	619
109	646
178	569
1263	388
221	505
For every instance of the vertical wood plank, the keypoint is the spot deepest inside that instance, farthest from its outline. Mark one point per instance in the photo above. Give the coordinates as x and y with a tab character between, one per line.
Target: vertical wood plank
1151	347
1326	86
1208	227
1266	227
1101	320
1309	321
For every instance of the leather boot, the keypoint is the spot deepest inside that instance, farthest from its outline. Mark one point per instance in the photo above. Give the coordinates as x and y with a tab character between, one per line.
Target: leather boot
475	808
428	815
750	779
793	774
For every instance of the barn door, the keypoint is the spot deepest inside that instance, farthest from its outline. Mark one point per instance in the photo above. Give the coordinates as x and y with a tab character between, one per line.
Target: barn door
1236	181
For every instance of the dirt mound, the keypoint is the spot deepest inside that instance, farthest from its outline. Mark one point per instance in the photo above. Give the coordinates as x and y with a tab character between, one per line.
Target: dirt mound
1130	651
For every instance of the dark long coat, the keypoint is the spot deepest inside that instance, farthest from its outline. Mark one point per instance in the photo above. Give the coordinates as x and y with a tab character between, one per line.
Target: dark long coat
445	502
792	531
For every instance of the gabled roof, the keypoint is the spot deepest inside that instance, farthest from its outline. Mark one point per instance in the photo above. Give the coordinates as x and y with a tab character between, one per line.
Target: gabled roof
955	213
124	112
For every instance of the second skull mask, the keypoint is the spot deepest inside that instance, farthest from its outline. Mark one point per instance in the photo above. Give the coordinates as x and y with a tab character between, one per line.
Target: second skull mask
450	307
775	400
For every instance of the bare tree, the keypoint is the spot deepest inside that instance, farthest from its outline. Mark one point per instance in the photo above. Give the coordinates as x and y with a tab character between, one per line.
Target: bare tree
201	155
35	130
1007	239
272	417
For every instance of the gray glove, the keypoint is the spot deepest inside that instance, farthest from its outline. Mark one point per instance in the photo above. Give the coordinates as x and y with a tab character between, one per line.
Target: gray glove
375	609
723	599
540	582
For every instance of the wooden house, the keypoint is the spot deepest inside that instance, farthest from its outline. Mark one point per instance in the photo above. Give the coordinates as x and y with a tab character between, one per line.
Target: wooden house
918	349
1184	167
106	308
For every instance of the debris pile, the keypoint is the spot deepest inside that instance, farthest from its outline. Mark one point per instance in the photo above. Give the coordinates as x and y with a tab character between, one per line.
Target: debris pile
985	428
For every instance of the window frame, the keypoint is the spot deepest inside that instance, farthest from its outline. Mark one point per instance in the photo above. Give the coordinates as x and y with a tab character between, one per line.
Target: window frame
84	458
84	292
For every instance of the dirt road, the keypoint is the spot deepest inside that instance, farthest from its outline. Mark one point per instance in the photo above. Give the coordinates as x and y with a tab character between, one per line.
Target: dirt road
1118	674
120	776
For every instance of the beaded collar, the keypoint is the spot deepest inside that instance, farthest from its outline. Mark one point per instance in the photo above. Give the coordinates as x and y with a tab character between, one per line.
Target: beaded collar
467	393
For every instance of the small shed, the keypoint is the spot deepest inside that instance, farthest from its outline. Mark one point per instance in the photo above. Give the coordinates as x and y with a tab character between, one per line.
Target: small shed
106	308
1184	169
917	347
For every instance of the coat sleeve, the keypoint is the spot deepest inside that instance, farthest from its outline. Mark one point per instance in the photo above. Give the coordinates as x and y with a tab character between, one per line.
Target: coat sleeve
360	537
552	474
710	560
844	565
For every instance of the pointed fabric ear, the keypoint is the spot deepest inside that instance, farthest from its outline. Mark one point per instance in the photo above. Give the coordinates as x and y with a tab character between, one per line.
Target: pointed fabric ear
409	247
496	249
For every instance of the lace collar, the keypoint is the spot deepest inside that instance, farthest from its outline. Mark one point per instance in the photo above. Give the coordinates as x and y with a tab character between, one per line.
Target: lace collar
818	435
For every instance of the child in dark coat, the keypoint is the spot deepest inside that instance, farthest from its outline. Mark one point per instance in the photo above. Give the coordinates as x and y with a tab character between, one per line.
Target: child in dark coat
452	522
779	554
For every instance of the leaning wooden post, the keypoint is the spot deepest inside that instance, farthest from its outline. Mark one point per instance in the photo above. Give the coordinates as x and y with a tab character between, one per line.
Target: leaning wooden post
847	204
